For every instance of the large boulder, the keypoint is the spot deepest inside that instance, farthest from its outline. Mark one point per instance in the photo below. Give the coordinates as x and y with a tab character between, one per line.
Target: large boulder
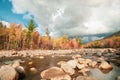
72	63
8	73
67	69
55	73
105	65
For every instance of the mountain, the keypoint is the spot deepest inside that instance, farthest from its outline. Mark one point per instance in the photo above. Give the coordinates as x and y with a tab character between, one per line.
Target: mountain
116	34
111	41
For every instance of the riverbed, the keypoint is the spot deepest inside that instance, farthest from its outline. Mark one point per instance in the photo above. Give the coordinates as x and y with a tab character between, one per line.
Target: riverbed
42	63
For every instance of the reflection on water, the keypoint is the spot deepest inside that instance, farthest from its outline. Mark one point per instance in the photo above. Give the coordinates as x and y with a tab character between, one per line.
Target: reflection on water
49	61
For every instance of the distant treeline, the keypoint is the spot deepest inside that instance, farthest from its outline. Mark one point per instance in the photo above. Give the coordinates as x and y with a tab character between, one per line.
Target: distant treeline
111	42
18	38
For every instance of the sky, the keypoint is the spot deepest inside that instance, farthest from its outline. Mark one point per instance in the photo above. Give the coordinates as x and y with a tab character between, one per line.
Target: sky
91	19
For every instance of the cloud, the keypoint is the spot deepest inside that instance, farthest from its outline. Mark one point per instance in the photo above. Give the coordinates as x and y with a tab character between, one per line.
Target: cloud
71	17
7	24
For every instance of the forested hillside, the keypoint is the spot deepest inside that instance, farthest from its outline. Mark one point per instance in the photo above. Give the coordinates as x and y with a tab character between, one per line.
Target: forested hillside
112	41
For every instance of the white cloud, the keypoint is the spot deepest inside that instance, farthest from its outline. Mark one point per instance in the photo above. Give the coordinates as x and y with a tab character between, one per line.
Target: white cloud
72	17
7	24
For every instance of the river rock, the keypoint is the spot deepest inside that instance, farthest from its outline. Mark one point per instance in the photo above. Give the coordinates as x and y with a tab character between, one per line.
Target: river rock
76	56
30	63
21	71
98	54
88	60
61	62
91	78
8	73
80	78
80	66
93	64
41	57
33	70
100	59
72	63
84	71
55	73
16	64
80	60
83	61
105	65
67	68
85	78
117	78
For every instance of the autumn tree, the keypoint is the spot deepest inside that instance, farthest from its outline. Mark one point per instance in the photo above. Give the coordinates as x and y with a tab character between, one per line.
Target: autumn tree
64	41
2	35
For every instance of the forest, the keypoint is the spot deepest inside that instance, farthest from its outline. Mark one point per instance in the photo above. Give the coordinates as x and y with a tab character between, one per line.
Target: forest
19	38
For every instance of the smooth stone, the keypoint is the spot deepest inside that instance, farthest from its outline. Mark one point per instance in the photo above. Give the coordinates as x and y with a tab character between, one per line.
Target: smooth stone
105	65
72	63
16	64
8	73
33	70
67	69
54	73
21	72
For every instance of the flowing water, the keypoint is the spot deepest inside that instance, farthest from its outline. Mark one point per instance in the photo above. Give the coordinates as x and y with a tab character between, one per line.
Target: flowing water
48	61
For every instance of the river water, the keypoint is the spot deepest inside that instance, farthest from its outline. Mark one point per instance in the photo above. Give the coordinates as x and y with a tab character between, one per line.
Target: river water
48	61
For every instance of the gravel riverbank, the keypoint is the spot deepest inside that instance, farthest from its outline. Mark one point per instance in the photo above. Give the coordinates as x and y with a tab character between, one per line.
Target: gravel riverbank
32	53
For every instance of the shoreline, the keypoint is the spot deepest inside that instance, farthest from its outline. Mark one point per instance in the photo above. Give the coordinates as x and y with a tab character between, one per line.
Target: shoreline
38	52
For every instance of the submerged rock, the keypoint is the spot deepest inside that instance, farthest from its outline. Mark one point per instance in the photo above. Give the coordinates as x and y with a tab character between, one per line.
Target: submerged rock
54	73
8	73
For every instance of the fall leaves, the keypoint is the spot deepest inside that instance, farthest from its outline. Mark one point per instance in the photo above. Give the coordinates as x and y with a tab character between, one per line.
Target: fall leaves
15	37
